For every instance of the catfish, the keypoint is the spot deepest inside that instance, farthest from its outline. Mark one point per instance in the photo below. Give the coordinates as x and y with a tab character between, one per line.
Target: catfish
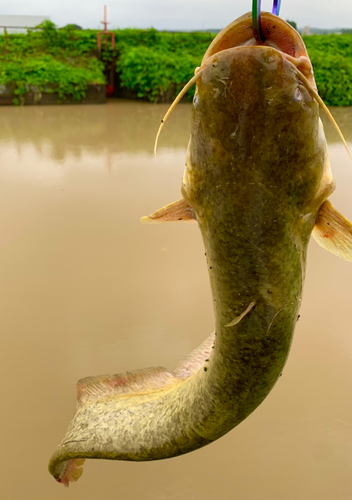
257	183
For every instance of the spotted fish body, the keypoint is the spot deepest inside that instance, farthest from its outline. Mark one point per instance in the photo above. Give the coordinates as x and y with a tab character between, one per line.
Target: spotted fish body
257	175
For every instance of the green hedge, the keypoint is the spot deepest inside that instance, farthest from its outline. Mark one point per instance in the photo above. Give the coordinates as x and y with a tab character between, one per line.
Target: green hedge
331	56
153	65
170	62
47	74
50	60
155	75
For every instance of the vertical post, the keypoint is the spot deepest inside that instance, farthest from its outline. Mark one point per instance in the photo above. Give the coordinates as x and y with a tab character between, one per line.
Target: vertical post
109	68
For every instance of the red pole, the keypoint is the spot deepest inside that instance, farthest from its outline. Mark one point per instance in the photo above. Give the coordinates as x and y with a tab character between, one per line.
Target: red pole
106	35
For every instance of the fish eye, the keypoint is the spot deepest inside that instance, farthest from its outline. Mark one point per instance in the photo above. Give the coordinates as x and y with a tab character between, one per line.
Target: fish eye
196	101
298	95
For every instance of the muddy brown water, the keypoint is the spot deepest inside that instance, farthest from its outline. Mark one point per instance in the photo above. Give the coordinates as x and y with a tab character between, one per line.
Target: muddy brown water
86	290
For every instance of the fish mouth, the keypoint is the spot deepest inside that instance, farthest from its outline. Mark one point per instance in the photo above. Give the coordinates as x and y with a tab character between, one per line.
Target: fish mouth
278	34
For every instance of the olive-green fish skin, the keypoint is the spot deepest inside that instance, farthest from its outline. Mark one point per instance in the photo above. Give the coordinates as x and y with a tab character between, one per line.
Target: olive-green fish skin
257	172
256	161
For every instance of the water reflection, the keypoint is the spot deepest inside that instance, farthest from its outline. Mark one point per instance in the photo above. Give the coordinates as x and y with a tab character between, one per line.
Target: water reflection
343	117
85	289
120	126
123	126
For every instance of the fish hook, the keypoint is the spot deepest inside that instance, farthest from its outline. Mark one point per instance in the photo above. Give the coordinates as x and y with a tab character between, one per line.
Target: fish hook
256	16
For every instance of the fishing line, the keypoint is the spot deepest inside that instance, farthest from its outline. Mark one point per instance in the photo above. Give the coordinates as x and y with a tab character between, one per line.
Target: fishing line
276	7
256	18
257	24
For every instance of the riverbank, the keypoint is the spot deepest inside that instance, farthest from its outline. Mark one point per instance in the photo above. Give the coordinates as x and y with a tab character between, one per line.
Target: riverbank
35	94
145	64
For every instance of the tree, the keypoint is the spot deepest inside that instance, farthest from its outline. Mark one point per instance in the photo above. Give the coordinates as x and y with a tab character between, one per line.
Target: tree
292	23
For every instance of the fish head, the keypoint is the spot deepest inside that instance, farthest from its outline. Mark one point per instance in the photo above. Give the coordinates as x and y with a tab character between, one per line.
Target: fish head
256	133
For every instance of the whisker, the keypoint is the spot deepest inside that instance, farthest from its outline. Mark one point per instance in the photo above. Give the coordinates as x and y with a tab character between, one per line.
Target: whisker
320	101
174	104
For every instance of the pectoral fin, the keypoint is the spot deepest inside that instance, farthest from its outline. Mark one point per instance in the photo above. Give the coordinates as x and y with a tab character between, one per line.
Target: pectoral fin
333	231
178	211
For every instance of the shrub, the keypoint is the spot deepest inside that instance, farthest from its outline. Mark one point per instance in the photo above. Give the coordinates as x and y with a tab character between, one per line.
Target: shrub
51	60
331	56
155	75
152	64
47	73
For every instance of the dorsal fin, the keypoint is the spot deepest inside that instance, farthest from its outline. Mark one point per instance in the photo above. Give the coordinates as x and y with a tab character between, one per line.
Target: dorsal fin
178	211
148	380
333	231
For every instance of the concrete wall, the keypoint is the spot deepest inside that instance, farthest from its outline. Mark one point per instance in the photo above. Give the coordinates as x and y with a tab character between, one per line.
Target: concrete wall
95	94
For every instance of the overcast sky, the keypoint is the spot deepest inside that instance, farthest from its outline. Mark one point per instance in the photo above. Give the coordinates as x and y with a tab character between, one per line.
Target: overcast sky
178	14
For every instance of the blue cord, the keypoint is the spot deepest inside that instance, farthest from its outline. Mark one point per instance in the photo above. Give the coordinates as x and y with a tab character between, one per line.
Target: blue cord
276	7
